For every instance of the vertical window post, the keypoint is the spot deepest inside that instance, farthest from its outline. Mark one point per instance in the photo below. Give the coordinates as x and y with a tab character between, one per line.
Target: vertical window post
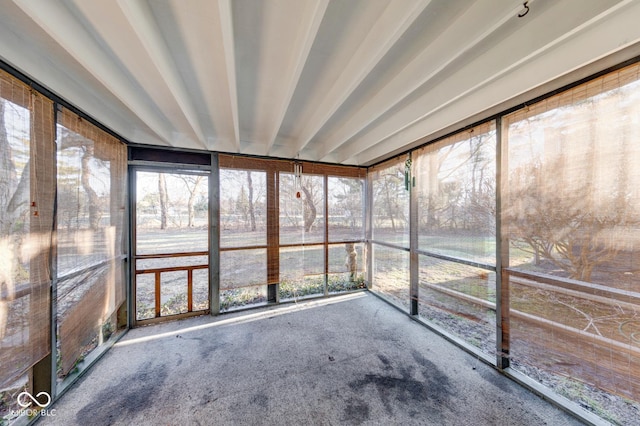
502	253
214	236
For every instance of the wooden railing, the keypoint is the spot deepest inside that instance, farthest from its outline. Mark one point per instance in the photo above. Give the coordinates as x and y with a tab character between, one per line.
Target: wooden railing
606	361
158	278
594	292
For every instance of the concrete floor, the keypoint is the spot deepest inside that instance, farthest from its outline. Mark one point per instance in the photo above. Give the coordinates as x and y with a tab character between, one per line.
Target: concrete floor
346	360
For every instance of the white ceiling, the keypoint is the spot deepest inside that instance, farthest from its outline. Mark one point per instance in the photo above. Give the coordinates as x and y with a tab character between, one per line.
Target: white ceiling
346	81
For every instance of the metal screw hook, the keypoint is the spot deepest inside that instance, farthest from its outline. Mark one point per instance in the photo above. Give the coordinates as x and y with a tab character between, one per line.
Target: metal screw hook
526	10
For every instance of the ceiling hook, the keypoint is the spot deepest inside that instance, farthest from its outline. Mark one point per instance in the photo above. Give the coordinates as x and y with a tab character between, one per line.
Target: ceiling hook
526	10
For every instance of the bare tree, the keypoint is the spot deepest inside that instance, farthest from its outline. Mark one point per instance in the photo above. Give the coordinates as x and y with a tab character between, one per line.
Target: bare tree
391	198
563	223
70	140
311	195
164	200
14	196
348	197
457	184
192	183
252	214
93	199
7	176
313	190
310	211
242	195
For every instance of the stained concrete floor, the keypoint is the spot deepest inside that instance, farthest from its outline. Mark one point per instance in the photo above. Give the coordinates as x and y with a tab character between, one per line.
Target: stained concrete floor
346	360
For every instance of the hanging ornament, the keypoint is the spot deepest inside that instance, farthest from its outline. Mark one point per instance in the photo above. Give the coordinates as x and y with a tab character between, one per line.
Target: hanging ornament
407	174
297	179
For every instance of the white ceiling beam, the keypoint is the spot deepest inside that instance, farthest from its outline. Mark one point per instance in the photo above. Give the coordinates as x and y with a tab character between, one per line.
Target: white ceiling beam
141	20
575	48
127	50
477	23
209	42
286	45
57	21
43	60
167	72
395	19
226	30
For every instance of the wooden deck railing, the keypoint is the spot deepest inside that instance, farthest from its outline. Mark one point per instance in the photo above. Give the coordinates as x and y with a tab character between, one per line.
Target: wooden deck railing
158	275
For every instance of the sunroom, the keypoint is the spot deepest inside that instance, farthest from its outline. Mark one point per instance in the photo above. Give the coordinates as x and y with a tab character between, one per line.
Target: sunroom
175	167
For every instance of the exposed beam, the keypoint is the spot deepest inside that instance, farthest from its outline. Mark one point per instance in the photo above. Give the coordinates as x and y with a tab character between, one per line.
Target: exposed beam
347	81
57	21
127	50
226	29
303	35
477	23
575	48
395	19
207	33
43	62
141	20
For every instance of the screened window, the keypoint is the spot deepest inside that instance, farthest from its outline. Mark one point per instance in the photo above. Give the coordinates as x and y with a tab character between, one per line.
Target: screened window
390	216
390	188
302	224
346	209
91	205
456	195
171	212
243	208
391	274
301	209
456	219
243	238
572	214
27	185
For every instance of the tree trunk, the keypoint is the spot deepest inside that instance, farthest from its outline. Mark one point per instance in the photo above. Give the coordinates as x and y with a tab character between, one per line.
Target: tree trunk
190	212
252	214
310	212
8	215
192	199
7	176
390	205
162	189
92	198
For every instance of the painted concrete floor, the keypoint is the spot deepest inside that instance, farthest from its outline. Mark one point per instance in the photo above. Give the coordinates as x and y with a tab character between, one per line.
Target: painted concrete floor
345	360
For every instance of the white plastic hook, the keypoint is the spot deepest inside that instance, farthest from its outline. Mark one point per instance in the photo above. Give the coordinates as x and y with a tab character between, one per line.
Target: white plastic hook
525	11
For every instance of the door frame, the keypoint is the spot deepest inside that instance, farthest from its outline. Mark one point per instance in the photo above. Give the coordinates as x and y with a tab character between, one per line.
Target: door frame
209	171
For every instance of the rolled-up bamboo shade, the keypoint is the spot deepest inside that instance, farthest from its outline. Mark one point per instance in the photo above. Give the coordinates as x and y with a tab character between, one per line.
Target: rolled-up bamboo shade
27	188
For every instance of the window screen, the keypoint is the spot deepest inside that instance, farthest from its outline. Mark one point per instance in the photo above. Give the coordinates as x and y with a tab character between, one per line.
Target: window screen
572	214
27	185
390	214
456	195
91	221
346	209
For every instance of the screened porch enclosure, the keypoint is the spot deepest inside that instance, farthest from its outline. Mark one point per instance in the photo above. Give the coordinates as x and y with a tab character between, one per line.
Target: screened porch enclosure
286	236
517	238
521	236
171	247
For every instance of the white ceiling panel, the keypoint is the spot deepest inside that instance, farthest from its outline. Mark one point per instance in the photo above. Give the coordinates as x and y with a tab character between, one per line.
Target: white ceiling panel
348	81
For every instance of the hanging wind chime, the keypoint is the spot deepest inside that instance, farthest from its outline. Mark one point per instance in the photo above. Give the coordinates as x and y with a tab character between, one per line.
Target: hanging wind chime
407	174
297	178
